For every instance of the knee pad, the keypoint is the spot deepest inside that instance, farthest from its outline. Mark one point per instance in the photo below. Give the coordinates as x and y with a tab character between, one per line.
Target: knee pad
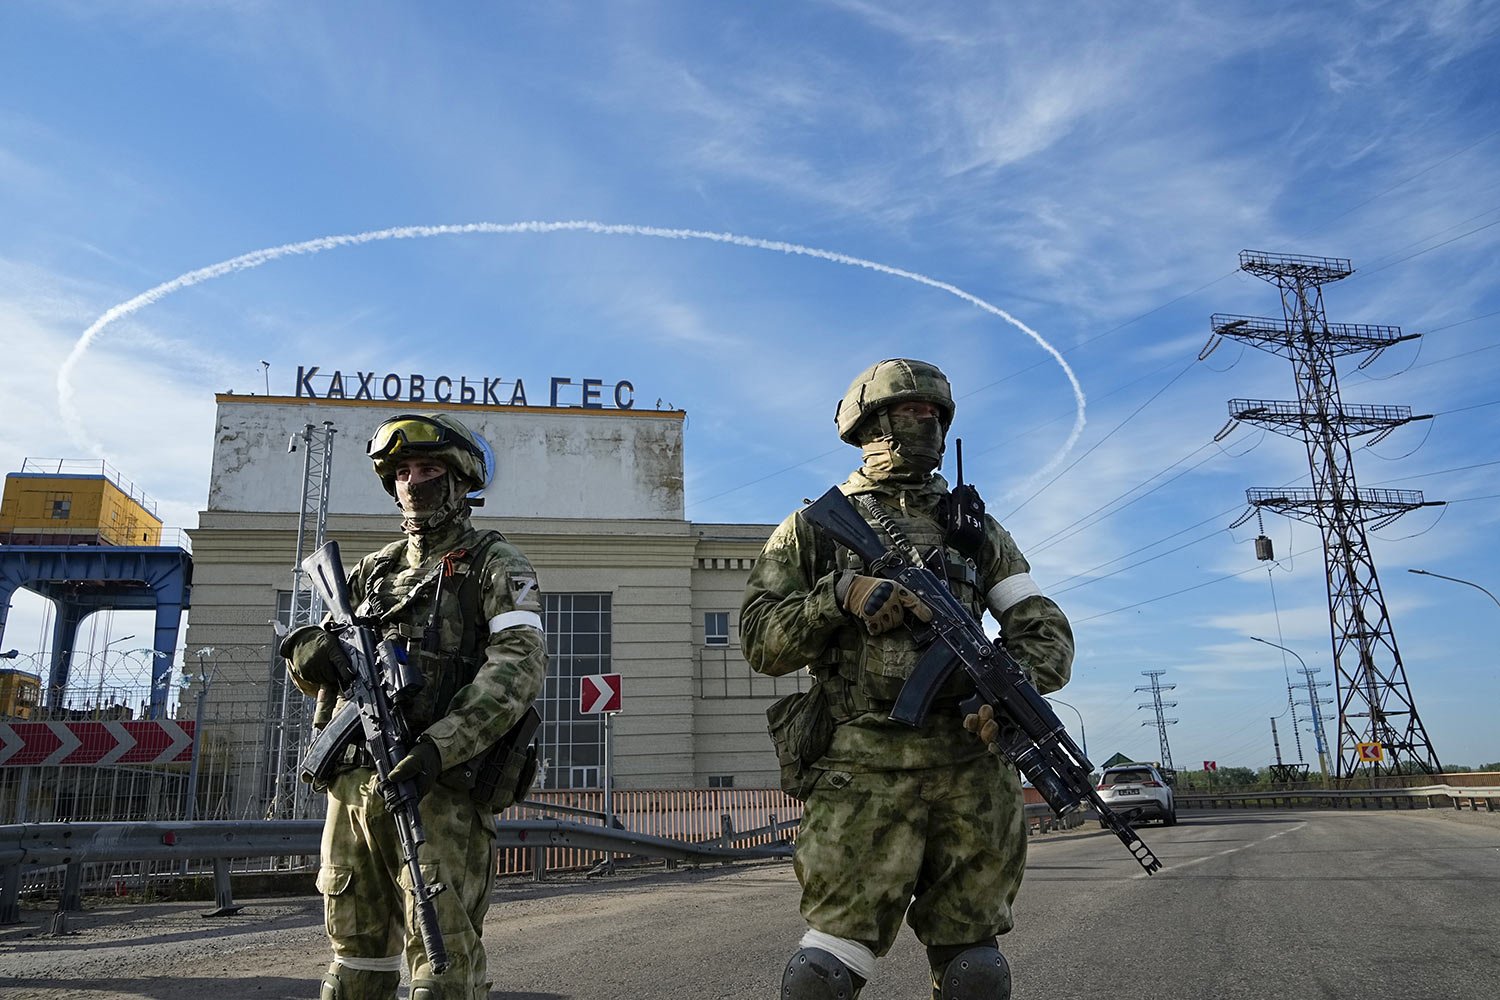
344	983
978	972
814	974
432	989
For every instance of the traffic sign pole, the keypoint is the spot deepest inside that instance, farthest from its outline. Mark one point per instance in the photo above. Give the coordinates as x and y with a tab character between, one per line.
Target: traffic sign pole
609	767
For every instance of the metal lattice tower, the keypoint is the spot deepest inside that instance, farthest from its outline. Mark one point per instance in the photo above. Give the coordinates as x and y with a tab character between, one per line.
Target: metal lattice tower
288	712
1375	702
1316	703
1161	722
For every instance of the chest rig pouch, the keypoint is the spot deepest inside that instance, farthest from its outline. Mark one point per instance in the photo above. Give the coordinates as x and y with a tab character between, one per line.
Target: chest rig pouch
875	667
448	645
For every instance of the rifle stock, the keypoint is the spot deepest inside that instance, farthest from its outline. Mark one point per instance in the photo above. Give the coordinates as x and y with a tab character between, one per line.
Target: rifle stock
377	684
1032	737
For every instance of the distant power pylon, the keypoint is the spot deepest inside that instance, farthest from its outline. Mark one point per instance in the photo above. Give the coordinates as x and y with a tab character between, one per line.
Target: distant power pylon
1375	701
288	716
1315	703
1161	722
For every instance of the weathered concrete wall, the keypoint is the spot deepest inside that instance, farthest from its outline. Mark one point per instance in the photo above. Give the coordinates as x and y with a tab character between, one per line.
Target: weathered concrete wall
551	463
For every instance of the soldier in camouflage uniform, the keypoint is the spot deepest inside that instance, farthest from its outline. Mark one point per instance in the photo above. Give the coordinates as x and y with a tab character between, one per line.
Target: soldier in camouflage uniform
922	822
430	464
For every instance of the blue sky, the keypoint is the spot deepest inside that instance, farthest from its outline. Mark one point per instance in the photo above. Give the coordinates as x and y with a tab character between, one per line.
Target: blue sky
1095	173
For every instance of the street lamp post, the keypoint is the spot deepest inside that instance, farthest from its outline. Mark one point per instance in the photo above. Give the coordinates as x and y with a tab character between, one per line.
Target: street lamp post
1470	583
1083	736
1312	696
104	669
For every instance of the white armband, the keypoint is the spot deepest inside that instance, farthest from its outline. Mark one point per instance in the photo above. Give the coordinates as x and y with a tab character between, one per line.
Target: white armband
1011	591
515	619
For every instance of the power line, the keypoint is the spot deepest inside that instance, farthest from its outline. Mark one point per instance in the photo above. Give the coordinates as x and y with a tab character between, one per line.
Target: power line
1404	181
1047	542
769	475
1231	576
1449	326
1122	569
1439	472
1094	447
1185	590
1435	246
1432	236
1460	409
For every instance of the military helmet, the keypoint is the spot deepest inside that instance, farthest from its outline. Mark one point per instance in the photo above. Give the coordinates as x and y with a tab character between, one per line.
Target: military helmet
885	383
434	435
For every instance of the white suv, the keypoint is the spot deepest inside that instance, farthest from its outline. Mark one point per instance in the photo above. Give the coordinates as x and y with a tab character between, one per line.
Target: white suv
1139	792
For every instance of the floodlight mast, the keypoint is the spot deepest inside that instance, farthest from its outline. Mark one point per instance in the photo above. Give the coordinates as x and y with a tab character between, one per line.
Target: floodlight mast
289	720
1375	700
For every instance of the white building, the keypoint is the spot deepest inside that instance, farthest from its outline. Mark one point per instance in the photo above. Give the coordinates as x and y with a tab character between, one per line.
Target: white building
593	496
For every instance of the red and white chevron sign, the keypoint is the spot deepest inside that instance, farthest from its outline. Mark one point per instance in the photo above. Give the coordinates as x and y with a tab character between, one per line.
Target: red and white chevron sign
28	744
599	693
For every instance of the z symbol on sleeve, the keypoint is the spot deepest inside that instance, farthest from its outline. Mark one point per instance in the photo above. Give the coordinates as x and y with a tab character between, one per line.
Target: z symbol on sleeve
599	693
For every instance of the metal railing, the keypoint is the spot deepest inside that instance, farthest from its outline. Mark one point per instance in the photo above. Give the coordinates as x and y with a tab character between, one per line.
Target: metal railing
66	853
67	859
1416	797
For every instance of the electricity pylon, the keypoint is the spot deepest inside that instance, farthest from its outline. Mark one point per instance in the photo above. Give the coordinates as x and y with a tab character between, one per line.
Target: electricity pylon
1375	701
1160	721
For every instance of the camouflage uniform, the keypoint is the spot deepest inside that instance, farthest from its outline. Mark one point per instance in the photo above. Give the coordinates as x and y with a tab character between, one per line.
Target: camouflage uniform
462	709
946	814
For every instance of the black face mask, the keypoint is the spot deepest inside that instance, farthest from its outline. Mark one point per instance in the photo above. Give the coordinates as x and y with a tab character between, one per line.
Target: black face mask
910	450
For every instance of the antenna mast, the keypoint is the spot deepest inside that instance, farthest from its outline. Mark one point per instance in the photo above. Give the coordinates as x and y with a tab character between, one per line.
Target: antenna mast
288	711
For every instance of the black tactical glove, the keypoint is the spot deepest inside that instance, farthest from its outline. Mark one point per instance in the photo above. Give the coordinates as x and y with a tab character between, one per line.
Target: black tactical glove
315	658
880	604
984	725
422	767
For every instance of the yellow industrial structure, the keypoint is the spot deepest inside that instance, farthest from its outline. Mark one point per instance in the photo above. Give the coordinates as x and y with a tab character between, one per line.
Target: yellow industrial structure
71	508
19	693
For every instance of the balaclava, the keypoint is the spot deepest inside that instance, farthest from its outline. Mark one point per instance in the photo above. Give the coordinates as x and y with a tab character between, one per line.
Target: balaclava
432	503
900	448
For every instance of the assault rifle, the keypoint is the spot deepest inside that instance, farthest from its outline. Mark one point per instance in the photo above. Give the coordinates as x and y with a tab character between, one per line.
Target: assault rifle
1031	736
373	693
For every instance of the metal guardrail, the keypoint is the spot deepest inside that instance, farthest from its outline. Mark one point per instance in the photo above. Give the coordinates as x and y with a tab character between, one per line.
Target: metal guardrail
73	845
1418	797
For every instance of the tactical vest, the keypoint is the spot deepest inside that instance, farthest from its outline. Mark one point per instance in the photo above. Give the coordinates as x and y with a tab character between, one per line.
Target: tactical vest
433	617
865	672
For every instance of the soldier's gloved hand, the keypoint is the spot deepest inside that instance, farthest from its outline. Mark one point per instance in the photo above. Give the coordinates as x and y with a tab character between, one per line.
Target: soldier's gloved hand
984	725
422	766
880	604
316	658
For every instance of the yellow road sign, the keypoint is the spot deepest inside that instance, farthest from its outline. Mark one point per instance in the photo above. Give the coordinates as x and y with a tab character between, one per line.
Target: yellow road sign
1370	753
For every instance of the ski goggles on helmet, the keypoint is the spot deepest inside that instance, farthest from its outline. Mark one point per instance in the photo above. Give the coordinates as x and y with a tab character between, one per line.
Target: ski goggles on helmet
416	433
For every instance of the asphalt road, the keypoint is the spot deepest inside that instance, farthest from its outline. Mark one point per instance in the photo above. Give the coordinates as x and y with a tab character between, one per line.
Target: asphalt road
1254	904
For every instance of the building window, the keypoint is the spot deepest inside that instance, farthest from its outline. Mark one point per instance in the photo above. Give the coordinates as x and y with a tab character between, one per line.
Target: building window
62	508
579	629
716	628
284	607
721	781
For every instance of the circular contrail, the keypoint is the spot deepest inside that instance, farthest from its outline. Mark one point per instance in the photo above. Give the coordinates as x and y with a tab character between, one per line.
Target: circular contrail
256	258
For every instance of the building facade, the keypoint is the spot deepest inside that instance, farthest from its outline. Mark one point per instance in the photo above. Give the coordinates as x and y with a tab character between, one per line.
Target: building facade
593	496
